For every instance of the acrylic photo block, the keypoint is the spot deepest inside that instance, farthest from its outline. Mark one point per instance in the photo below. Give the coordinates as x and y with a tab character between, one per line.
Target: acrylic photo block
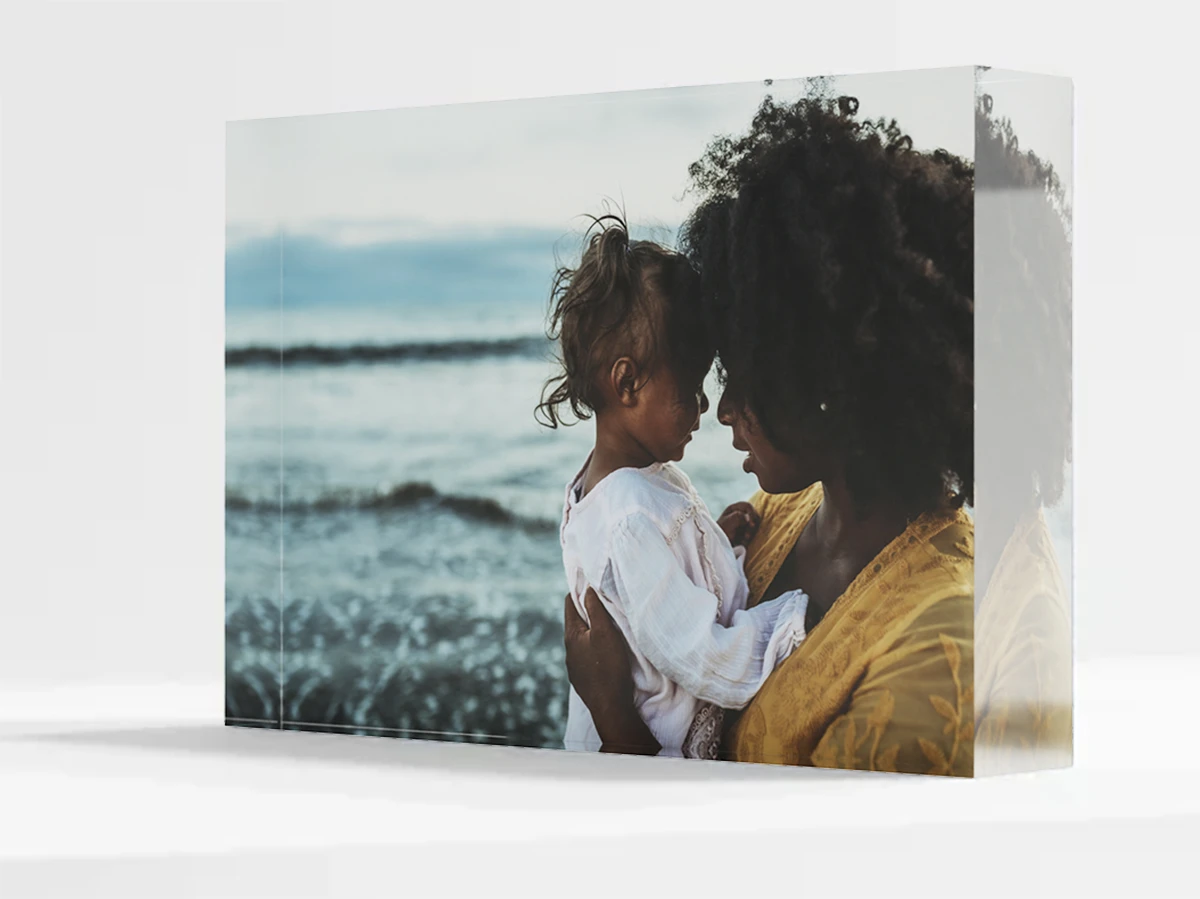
727	422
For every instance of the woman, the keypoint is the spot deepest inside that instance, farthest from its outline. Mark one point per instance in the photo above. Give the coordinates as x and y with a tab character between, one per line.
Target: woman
836	270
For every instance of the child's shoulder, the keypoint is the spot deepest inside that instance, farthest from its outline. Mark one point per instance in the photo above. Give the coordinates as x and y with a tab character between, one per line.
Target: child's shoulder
661	492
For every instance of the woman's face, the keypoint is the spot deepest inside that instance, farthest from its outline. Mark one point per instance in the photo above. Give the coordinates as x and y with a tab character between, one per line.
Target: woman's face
777	471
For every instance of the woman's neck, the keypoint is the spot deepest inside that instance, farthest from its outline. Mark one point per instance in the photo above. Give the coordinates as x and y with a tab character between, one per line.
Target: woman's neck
844	525
844	530
615	449
839	541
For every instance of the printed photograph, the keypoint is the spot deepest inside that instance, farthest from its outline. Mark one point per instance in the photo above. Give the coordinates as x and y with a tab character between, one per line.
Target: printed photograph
646	423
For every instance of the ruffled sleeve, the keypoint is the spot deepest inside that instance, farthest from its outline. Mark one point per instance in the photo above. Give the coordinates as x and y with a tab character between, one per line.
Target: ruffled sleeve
674	622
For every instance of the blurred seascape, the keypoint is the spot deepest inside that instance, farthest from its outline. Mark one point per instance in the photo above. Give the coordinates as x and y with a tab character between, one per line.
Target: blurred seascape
392	506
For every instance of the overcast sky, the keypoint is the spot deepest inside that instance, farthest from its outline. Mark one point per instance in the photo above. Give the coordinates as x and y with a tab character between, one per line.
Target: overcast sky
367	176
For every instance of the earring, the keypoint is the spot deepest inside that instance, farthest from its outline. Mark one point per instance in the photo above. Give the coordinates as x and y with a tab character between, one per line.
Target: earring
824	407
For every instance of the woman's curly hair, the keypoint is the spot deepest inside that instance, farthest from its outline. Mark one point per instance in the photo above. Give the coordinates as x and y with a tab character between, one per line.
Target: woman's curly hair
1024	276
837	275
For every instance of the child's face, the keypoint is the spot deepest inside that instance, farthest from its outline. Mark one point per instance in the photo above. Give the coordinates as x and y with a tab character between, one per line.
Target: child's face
668	412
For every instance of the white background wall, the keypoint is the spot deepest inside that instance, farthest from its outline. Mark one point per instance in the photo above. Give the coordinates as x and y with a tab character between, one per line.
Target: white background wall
112	195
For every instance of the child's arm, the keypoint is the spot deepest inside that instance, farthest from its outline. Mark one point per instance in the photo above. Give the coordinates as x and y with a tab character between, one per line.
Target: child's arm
674	623
740	523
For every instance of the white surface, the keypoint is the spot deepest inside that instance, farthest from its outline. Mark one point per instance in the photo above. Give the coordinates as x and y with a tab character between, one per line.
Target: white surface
136	792
111	453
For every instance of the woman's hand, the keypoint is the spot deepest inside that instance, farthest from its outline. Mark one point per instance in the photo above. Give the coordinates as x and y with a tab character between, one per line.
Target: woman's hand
740	523
598	665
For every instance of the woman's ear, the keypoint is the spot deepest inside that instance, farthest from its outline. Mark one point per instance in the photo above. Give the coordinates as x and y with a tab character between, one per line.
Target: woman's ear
623	379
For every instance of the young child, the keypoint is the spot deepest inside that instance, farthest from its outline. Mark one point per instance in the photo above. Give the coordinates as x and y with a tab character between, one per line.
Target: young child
635	356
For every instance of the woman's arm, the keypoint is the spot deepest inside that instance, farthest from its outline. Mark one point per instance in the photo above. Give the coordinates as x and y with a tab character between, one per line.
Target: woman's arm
599	669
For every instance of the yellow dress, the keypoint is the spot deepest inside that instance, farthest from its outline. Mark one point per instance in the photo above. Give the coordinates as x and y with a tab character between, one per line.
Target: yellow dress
886	680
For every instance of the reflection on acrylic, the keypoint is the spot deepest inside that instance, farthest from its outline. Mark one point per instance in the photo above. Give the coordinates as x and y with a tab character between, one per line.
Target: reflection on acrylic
1023	639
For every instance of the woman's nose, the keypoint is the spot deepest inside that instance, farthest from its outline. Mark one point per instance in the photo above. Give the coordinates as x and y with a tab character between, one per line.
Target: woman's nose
703	402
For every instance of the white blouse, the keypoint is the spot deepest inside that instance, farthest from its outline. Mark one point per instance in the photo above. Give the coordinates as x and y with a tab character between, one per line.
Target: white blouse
665	571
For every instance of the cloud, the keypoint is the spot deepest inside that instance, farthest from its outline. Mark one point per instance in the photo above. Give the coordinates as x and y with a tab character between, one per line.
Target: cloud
472	267
528	163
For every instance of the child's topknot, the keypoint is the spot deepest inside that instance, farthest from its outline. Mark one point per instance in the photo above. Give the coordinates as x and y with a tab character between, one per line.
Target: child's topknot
625	298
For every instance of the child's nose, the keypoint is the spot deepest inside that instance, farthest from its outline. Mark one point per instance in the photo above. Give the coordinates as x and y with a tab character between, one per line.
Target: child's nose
703	402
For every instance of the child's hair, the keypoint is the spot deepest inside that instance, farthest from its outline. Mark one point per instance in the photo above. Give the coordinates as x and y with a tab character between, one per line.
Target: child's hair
626	298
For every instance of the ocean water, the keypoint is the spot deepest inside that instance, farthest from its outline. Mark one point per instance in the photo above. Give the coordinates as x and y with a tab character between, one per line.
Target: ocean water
392	506
392	511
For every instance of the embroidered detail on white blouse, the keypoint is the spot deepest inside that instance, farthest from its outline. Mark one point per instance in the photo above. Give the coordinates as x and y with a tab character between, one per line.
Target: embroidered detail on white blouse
709	569
703	738
684	516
